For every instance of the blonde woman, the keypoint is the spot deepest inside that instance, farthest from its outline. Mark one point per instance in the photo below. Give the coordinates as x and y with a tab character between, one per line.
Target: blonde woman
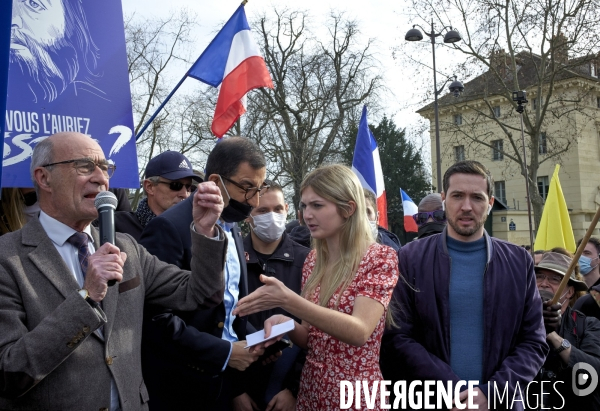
17	207
348	281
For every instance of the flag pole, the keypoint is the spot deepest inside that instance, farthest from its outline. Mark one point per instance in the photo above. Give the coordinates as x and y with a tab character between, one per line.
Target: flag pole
151	119
578	253
521	98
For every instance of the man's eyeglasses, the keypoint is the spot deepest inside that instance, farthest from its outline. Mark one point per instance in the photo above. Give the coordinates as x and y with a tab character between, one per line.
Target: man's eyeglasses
251	191
553	279
86	166
177	185
437	215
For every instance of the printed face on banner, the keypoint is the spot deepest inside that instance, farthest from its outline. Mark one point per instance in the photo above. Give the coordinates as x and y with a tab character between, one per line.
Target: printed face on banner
68	72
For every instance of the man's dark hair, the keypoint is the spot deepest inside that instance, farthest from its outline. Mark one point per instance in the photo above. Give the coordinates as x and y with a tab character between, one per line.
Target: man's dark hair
273	186
470	167
538	252
229	153
592	240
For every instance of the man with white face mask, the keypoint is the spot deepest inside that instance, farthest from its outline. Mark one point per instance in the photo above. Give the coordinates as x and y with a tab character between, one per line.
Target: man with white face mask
590	270
380	234
270	250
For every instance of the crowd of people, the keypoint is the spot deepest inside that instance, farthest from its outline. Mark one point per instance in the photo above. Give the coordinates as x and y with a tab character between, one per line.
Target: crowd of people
453	305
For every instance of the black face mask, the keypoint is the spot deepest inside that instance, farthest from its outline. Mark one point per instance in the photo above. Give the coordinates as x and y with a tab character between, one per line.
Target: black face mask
235	211
30	198
431	228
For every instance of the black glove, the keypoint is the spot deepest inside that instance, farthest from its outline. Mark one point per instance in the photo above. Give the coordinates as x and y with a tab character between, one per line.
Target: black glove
552	316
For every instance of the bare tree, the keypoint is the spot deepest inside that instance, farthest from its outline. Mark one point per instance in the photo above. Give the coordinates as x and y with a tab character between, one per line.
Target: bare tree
155	47
320	84
539	45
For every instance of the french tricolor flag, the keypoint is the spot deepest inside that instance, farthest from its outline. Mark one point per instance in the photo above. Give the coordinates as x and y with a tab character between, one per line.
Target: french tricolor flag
232	60
410	209
367	166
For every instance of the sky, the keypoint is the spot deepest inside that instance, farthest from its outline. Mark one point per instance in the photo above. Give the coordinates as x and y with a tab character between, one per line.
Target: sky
382	20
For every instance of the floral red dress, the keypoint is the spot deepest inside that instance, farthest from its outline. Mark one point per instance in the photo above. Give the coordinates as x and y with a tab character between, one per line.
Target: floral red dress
329	360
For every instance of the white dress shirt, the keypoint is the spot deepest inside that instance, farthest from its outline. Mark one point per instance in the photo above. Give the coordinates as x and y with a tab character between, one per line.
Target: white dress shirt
59	233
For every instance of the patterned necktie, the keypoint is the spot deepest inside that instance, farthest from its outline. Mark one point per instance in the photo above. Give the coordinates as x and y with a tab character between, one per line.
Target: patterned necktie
80	241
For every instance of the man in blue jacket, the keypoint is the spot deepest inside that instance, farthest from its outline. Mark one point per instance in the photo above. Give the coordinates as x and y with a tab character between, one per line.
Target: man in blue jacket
469	308
194	360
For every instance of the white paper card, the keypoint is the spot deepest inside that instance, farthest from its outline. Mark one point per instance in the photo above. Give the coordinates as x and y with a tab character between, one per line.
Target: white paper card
276	331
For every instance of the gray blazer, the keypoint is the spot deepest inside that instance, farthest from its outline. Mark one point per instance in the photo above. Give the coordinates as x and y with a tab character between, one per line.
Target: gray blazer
50	356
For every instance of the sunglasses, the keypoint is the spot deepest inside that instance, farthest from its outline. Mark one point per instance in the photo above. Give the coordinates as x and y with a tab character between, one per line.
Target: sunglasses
437	215
177	185
553	279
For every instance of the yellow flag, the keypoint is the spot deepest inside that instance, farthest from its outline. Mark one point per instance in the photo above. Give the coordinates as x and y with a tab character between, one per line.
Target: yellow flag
555	228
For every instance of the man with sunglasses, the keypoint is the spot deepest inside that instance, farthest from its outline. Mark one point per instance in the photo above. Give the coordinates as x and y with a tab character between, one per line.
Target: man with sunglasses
431	218
194	360
68	341
167	181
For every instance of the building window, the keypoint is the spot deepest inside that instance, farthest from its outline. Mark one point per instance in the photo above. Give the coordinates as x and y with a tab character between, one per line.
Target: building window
497	150
598	102
536	101
500	191
543	143
458	119
496	111
543	186
593	71
459	153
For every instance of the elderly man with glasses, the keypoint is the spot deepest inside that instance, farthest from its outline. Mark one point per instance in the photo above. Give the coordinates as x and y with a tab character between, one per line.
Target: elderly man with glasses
168	181
195	360
68	341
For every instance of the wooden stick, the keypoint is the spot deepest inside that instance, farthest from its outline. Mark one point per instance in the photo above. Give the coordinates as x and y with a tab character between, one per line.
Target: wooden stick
586	237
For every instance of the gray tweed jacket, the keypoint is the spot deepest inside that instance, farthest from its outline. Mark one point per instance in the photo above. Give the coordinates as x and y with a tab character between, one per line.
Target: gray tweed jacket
50	356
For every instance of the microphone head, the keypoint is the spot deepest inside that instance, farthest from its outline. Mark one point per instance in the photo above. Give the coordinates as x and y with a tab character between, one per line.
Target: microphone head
106	199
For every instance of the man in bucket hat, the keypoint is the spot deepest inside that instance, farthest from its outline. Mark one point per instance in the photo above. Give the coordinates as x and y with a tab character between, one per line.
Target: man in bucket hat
573	338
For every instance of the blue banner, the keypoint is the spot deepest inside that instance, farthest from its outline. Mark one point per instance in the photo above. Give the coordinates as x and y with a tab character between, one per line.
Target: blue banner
5	17
68	72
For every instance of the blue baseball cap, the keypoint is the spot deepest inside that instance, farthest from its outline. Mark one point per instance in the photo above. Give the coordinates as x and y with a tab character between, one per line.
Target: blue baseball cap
171	165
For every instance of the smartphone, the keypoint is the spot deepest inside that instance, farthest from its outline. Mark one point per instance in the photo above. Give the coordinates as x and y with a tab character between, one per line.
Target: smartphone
273	349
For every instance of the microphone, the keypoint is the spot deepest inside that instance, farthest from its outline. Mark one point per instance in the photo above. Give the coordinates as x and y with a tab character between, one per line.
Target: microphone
106	204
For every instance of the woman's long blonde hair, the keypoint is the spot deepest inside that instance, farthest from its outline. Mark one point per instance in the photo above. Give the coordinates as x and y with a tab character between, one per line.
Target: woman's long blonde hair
338	184
11	205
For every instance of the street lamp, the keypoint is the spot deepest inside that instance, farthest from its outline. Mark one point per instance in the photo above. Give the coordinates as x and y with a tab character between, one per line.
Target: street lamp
456	87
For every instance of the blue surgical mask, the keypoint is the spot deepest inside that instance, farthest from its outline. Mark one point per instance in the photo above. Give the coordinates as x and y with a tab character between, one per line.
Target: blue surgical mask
585	265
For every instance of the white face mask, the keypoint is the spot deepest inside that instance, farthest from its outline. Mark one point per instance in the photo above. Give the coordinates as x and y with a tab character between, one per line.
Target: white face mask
31	211
374	231
269	227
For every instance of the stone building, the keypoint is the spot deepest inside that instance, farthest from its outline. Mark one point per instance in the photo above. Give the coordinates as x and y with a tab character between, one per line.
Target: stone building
483	124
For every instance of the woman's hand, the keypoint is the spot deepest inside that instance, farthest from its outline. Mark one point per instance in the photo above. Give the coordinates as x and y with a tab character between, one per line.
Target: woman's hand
269	323
271	295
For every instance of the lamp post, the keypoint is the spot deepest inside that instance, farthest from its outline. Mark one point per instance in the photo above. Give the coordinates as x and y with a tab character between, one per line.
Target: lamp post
456	87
